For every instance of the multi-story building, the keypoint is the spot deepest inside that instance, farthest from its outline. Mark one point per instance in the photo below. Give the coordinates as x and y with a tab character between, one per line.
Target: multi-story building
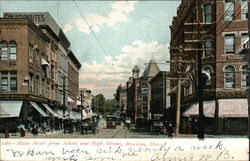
34	53
73	79
215	28
160	100
23	62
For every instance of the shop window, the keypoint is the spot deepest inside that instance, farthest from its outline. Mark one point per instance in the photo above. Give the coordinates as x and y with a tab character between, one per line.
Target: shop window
229	77
229	11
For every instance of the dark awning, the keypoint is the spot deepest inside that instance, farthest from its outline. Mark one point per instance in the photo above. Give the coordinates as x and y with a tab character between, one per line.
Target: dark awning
44	114
10	108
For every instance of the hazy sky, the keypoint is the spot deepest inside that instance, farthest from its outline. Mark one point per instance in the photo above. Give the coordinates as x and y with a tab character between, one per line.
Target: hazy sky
125	34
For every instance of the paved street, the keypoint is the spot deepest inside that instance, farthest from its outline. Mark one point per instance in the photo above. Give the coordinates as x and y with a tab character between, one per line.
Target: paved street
103	132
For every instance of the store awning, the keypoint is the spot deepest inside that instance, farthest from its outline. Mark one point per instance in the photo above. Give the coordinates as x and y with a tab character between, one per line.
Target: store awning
233	108
66	114
75	115
208	109
50	110
70	99
44	114
10	108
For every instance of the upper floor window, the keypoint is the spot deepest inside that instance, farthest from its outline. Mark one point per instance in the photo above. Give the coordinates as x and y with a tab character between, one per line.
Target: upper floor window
229	11
30	53
207	45
244	79
207	13
8	81
244	37
244	10
229	77
229	44
12	50
4	50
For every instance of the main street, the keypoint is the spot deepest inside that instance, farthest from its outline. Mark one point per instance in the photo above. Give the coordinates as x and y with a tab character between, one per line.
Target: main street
102	132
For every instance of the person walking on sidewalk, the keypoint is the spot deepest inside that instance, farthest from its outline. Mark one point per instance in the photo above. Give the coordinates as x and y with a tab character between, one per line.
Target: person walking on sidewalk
170	130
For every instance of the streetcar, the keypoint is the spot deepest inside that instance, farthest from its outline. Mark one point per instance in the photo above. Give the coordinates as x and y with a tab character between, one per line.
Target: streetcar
111	121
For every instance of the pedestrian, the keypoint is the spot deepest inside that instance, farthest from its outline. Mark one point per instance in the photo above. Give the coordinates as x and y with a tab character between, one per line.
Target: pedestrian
6	134
22	132
170	130
35	130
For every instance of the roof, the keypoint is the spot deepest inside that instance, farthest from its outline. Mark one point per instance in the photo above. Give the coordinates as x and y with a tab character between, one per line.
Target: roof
151	69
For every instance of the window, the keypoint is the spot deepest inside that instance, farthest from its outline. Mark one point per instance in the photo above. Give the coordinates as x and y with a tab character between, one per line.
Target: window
244	37
229	77
207	45
4	50
229	44
244	83
12	50
31	53
31	83
8	81
207	13
37	85
37	58
229	11
244	10
208	71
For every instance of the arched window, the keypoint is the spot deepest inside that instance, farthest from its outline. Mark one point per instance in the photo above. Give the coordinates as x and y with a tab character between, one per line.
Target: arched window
229	77
244	77
207	71
4	50
13	47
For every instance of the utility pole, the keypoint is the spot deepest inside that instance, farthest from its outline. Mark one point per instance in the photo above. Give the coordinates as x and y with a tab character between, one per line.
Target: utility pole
201	128
178	92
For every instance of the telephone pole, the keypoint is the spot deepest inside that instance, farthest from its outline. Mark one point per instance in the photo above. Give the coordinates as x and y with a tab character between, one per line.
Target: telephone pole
179	77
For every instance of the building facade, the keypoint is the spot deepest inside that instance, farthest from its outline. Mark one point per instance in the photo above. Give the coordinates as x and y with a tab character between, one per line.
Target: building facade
34	69
215	28
73	79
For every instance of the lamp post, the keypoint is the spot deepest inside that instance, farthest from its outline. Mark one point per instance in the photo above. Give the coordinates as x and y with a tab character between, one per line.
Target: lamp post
81	91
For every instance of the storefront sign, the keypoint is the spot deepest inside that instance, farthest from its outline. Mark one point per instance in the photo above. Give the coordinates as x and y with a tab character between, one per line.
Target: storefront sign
34	17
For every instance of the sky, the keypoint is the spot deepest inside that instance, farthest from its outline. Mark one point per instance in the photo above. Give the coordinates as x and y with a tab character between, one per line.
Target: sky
108	37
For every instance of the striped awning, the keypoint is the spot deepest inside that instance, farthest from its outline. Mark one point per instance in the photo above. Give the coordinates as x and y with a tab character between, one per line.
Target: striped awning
44	114
208	109
233	108
50	110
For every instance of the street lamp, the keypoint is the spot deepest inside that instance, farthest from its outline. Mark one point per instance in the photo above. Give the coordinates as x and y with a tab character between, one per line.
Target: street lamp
81	92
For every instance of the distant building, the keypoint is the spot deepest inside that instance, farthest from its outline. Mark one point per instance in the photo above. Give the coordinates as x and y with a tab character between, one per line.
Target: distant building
160	99
73	79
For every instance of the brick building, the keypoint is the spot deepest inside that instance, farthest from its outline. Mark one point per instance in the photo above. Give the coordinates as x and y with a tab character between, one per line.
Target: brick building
216	28
73	79
34	69
160	100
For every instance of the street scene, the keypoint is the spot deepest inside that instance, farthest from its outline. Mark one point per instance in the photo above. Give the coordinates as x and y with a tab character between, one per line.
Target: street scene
124	69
